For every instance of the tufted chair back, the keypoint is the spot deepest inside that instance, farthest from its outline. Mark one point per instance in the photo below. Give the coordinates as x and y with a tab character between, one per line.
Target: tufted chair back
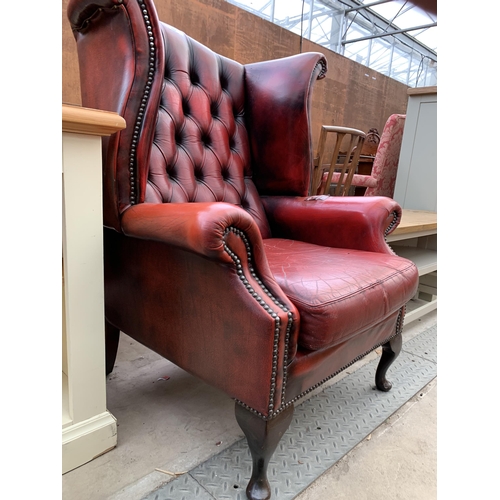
200	150
188	112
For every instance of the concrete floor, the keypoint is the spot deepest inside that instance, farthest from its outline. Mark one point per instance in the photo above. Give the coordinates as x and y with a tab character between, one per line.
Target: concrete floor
169	420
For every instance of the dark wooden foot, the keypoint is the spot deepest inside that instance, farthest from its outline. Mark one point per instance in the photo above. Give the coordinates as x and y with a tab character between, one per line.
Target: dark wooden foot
390	351
263	438
112	339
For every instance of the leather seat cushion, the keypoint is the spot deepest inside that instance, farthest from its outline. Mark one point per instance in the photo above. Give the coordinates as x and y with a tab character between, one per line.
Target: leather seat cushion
339	292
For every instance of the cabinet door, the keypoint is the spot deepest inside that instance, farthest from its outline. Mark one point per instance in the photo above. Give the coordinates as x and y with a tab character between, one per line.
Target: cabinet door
416	183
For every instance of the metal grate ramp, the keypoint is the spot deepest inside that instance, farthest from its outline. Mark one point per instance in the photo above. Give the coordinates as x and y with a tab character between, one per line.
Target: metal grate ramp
325	428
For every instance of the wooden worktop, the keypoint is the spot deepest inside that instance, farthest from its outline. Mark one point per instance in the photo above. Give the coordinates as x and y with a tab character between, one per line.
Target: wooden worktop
90	121
414	221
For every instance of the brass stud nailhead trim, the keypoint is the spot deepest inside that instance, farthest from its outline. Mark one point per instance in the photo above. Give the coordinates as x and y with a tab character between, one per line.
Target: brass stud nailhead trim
322	70
399	327
395	220
142	107
268	309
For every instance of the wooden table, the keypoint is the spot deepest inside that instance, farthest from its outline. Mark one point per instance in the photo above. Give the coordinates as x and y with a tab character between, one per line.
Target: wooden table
416	239
415	222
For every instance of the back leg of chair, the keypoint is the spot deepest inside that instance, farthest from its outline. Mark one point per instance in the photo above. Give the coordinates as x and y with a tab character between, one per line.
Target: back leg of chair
390	351
263	437
112	336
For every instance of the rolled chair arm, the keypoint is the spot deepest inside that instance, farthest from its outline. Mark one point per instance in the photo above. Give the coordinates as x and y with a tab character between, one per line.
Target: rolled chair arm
80	13
228	237
197	227
203	228
339	222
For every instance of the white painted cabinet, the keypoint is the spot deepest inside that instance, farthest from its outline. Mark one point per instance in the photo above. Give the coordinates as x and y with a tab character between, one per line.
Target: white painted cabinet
88	429
416	239
416	182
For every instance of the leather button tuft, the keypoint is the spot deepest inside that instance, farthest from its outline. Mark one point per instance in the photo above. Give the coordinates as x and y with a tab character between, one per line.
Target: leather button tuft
214	109
178	137
223	82
194	78
205	139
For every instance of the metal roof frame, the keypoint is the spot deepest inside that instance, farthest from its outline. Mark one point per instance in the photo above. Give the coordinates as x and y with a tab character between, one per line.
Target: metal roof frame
330	23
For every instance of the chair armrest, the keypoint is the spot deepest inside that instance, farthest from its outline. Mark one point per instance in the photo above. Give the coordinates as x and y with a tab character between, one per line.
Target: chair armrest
358	180
355	222
278	121
202	228
196	227
248	317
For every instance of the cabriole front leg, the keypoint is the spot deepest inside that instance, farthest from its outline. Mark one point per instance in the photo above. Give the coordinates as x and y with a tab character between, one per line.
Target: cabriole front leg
263	437
390	351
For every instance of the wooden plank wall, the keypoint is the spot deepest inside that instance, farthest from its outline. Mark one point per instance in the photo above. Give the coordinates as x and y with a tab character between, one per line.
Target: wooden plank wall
351	94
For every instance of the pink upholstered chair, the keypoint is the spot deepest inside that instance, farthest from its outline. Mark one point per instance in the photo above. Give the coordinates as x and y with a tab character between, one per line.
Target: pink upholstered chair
382	180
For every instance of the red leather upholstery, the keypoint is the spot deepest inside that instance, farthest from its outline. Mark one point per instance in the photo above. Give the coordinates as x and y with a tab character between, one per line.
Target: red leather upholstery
200	149
333	288
214	258
213	255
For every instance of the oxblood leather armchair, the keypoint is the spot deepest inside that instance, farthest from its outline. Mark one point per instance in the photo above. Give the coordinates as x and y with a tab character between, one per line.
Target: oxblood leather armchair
214	257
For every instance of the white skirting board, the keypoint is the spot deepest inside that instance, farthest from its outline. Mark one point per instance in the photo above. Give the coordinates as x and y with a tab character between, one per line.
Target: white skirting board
86	440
